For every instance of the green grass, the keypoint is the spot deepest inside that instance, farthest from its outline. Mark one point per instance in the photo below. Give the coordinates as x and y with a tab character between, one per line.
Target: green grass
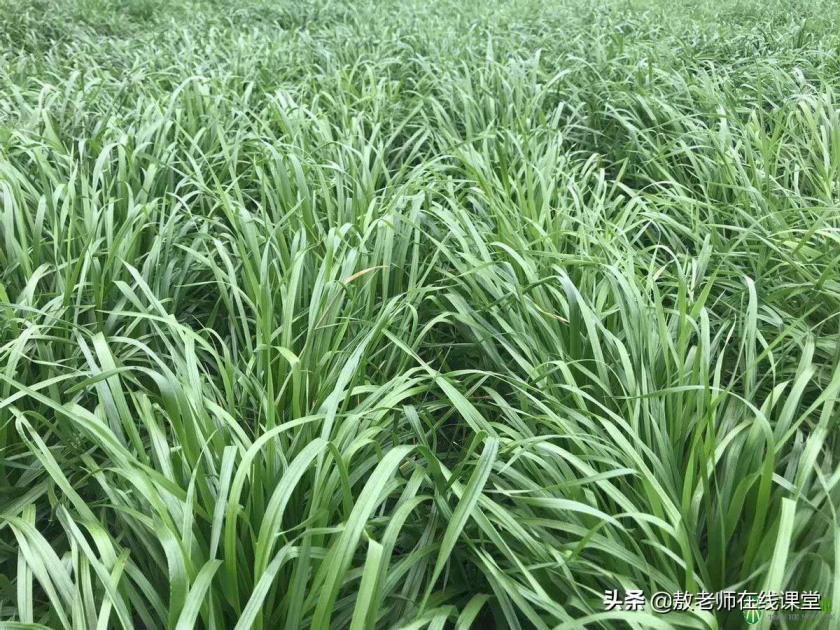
414	314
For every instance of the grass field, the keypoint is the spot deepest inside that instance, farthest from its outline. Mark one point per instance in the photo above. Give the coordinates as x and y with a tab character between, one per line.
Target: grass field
416	314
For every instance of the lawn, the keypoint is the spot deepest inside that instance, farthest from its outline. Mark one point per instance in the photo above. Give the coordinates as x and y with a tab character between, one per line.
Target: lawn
418	313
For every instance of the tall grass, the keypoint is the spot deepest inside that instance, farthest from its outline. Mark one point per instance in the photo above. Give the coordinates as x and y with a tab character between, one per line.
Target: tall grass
411	314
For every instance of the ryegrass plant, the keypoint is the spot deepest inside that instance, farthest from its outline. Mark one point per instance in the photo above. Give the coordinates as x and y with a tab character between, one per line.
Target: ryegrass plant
416	314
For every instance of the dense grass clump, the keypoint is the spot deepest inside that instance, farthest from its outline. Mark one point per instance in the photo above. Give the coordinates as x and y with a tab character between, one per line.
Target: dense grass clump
406	314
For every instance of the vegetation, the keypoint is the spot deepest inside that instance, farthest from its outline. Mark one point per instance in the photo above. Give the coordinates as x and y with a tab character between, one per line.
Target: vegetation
408	314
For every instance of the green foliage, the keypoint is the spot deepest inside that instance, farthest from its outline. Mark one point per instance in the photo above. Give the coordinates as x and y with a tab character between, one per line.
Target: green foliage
415	314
